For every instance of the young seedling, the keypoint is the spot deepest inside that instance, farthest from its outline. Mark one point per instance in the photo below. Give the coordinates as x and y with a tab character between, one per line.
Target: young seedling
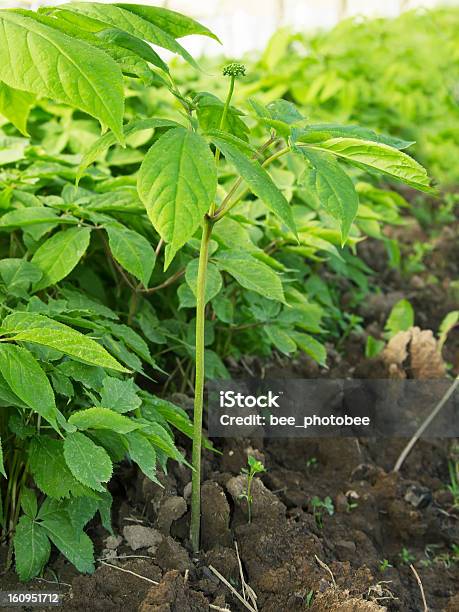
318	505
253	468
406	557
384	565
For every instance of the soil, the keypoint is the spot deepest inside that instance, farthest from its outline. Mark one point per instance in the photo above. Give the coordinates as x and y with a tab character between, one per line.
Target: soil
292	558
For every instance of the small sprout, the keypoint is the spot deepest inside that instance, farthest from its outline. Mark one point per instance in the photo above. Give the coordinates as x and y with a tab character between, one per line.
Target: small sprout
234	70
318	505
312	462
310	598
384	565
254	467
406	557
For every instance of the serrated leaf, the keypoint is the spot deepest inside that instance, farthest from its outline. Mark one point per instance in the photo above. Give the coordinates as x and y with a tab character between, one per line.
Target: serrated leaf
16	105
102	418
119	395
18	275
76	546
108	140
143	453
57	257
34	215
48	467
51	64
280	339
311	347
251	274
177	182
80	511
31	548
214	281
376	156
332	187
258	181
89	463
28	381
132	251
175	24
127	20
38	329
326	131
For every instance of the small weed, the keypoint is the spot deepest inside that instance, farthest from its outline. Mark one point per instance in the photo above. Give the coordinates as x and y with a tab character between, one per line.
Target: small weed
384	565
406	557
310	599
318	505
312	463
453	487
254	467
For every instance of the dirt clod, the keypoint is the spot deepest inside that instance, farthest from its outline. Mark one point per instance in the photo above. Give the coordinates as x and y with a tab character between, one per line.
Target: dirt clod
170	510
174	595
215	516
139	536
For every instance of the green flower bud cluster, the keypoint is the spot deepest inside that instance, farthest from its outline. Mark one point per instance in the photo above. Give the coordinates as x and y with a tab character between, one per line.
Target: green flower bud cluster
234	70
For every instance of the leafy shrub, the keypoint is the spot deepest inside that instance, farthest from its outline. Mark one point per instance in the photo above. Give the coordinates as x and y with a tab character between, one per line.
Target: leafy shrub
103	248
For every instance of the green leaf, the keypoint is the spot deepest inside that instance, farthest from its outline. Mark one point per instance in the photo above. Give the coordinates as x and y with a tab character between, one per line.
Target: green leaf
89	463
214	281
127	20
102	418
35	215
80	510
209	110
373	347
177	183
31	548
332	187
51	64
132	251
133	44
28	501
401	318
76	546
448	323
48	467
311	347
251	274
15	105
18	275
119	395
378	157
143	453
57	257
106	141
326	131
27	380
31	327
258	180
175	24
280	339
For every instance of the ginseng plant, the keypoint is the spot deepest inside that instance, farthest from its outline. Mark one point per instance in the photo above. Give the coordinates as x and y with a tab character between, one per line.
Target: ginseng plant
183	179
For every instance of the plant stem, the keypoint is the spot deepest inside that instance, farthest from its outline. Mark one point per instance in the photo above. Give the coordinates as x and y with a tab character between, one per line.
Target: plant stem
224	115
199	386
227	205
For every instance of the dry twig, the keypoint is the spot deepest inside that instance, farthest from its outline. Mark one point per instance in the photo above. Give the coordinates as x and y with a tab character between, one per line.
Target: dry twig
421	588
122	569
